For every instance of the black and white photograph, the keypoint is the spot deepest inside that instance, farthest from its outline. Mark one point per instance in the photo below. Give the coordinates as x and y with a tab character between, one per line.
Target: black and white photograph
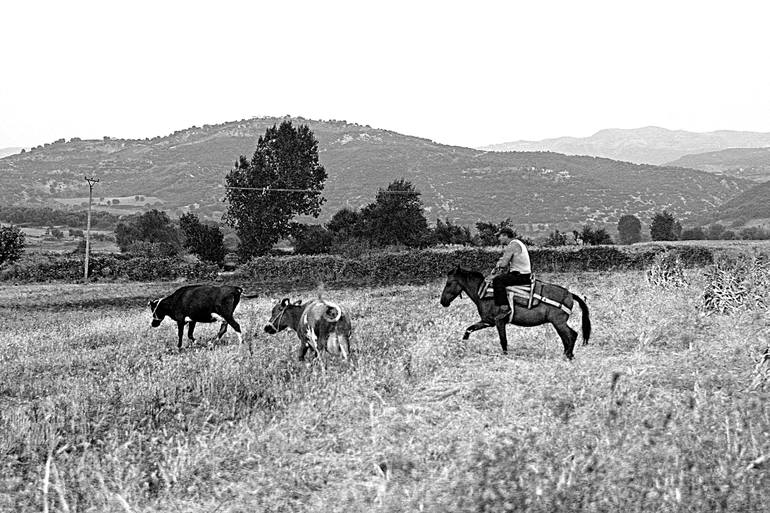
408	256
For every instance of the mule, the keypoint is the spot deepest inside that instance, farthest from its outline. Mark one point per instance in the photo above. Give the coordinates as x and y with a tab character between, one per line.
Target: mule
473	284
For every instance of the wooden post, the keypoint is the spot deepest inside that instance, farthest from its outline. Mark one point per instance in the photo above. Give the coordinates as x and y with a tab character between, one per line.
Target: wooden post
91	182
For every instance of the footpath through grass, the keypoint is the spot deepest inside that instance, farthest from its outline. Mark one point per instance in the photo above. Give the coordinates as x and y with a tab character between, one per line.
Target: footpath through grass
665	410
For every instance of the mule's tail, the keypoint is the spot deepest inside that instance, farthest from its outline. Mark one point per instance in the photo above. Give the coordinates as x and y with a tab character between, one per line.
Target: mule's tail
586	324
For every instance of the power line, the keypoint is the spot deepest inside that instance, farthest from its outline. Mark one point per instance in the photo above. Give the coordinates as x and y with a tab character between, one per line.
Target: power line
270	189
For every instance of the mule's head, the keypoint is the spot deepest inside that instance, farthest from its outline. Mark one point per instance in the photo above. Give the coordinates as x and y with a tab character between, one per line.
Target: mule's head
157	314
278	319
452	288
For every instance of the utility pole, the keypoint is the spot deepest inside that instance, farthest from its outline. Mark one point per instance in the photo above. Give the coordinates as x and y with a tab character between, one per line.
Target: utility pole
91	182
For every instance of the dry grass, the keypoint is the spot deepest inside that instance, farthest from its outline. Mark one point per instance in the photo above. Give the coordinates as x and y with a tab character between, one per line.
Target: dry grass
665	410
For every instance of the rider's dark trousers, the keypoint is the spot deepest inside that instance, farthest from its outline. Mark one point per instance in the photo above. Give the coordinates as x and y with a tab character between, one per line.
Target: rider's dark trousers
500	282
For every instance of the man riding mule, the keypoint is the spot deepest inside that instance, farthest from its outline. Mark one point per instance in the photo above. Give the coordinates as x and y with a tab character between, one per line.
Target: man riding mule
547	303
513	268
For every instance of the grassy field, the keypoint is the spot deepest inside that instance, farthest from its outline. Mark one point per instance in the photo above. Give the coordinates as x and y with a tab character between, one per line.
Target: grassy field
665	410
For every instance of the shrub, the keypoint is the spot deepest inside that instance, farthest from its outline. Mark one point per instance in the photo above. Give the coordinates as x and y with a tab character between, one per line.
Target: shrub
556	238
312	239
667	270
11	244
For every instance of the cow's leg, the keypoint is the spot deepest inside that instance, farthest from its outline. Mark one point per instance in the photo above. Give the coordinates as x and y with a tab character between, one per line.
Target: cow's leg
302	351
191	331
229	319
216	338
180	332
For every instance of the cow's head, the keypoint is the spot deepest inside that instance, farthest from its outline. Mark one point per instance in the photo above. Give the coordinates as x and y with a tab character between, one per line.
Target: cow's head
157	313
278	319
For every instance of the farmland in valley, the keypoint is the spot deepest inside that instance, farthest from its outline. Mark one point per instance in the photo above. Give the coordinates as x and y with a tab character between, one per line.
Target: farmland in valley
665	409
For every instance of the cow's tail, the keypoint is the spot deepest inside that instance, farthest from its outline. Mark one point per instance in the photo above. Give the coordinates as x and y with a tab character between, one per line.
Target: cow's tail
333	311
249	296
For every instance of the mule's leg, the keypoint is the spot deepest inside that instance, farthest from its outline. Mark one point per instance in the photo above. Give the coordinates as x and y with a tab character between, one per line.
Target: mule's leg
475	327
503	336
568	337
190	331
180	332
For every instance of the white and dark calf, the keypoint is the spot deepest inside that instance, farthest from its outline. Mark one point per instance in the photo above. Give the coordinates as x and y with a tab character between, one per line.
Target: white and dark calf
321	325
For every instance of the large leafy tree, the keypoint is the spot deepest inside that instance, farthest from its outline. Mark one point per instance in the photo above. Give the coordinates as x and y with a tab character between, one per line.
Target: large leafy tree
487	232
665	227
202	239
283	179
11	244
396	217
151	232
629	229
447	233
594	237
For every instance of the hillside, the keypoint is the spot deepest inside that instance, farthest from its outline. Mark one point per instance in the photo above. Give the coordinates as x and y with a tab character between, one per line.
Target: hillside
651	145
752	207
749	163
187	168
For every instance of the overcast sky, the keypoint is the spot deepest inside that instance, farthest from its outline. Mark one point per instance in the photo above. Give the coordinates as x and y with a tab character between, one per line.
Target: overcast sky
463	73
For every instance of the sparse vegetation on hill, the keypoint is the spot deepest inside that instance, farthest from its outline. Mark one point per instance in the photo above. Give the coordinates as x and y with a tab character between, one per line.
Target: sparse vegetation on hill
752	204
749	163
538	190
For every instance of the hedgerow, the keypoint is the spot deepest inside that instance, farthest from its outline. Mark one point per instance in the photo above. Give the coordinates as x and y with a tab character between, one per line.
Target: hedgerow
428	265
416	266
44	268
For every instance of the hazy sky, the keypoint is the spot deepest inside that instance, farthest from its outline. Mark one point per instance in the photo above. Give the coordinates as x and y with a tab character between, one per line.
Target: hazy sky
464	73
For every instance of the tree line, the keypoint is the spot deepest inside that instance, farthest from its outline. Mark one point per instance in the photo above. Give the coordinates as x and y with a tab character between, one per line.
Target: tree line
46	216
284	179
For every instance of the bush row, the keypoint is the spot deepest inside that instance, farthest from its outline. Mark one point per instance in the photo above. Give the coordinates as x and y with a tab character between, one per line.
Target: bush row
429	265
43	268
368	269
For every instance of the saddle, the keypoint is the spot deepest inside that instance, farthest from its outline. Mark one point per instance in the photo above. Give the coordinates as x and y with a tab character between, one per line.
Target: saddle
527	296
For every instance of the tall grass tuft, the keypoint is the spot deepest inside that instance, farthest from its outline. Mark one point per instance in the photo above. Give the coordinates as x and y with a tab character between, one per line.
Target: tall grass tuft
739	281
667	270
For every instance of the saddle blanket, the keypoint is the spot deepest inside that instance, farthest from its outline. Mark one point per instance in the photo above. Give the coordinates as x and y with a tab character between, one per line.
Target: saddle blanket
527	296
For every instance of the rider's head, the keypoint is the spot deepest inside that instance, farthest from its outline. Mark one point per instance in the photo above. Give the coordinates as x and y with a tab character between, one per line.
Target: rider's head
504	235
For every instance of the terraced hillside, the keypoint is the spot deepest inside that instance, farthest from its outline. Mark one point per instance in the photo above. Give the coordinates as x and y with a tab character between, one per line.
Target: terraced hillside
186	169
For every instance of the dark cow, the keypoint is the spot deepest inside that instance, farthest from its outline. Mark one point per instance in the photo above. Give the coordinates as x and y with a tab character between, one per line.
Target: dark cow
321	325
199	303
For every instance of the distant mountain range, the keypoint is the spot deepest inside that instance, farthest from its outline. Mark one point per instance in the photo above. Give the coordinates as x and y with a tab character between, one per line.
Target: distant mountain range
538	190
749	163
4	152
650	145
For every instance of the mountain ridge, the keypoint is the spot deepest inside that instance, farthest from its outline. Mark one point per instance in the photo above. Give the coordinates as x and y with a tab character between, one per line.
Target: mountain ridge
185	171
651	144
749	163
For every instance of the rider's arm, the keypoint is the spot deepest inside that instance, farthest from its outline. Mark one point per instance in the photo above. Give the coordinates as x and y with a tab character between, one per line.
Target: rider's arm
509	252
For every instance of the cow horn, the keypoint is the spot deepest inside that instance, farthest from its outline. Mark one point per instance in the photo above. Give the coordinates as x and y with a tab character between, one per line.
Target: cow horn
285	301
299	302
